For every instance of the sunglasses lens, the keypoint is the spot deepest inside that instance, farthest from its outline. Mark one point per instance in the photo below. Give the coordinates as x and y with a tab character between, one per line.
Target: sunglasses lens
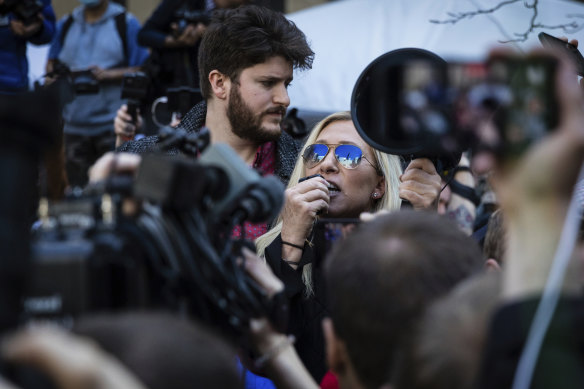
314	154
349	156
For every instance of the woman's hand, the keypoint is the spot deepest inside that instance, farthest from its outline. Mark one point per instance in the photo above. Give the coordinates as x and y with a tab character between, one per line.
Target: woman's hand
303	201
420	184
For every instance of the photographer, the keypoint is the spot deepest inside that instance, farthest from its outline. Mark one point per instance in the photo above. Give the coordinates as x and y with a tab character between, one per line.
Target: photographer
174	32
98	40
16	30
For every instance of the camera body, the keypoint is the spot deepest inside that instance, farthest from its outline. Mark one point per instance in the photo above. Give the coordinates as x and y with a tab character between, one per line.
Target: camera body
84	83
184	17
182	99
135	86
24	10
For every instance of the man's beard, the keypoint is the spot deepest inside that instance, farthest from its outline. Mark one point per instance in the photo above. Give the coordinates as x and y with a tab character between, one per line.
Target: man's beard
245	124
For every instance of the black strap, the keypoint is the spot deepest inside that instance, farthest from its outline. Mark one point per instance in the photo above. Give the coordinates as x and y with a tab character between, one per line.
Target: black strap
121	27
122	32
465	191
65	30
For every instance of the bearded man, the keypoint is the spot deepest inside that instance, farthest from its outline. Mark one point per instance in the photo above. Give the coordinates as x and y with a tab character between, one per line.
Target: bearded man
246	59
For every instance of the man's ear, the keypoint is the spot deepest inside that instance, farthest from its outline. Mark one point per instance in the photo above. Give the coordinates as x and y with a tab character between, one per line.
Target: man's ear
336	351
492	265
219	84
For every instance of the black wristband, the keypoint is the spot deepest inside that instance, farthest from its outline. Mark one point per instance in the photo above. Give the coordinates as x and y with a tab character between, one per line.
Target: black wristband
293	245
462	169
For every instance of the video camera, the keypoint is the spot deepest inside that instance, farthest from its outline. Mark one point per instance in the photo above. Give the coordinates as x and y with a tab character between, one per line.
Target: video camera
410	102
176	253
25	10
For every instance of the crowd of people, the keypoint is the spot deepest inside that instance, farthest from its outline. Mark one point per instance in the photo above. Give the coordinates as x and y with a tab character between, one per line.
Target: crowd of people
441	293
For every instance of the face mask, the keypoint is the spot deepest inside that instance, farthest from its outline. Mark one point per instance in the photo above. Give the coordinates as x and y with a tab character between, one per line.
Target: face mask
90	3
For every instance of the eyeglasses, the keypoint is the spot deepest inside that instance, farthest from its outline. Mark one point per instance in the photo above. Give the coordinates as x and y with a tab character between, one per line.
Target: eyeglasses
349	156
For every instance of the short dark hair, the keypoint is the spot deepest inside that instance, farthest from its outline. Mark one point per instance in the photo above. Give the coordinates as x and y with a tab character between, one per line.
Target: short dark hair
164	351
246	36
381	277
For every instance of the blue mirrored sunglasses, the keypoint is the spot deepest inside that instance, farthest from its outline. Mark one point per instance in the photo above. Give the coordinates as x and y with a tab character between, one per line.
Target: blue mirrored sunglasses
348	156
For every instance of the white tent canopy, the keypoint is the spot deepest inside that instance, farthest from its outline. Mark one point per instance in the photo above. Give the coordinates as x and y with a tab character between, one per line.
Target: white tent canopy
347	35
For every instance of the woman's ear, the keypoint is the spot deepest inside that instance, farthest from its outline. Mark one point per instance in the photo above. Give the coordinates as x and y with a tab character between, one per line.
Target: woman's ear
379	189
219	84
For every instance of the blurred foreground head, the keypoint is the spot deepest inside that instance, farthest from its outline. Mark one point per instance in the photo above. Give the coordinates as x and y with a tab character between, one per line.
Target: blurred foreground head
379	281
164	351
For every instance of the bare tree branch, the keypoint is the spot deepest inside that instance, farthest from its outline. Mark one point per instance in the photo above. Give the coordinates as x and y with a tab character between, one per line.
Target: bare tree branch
568	28
458	16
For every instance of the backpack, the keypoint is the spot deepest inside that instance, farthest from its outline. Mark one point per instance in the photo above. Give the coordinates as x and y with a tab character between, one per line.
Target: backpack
120	20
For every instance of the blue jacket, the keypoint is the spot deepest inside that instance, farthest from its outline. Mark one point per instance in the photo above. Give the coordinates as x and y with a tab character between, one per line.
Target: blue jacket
13	62
96	44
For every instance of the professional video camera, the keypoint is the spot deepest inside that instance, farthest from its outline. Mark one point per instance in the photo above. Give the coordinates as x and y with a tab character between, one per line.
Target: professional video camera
177	252
410	102
184	17
25	10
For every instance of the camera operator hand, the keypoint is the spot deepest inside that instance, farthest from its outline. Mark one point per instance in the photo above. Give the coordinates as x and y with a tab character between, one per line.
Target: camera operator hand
302	202
420	184
71	361
124	128
19	28
104	75
188	37
114	163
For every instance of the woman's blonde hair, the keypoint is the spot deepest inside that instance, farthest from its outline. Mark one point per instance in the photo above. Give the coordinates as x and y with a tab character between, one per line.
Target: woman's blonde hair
388	166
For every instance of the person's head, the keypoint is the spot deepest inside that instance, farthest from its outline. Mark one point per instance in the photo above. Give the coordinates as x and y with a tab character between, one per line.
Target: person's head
449	342
361	178
246	59
379	281
164	351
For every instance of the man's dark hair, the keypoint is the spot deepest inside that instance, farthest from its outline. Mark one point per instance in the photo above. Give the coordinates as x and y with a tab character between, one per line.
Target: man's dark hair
246	36
163	351
382	276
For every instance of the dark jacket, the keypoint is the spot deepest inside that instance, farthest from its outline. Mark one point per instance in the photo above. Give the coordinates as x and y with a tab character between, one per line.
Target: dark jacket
171	67
561	359
306	313
288	148
13	61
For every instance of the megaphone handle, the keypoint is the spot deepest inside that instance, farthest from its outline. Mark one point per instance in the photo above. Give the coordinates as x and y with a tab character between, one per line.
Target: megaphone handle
406	204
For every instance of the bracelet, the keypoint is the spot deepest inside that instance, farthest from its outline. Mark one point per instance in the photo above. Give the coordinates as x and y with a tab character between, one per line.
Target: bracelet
293	245
462	169
289	262
277	349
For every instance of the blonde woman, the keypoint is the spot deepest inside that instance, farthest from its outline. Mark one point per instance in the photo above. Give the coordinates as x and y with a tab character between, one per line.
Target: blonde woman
354	178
